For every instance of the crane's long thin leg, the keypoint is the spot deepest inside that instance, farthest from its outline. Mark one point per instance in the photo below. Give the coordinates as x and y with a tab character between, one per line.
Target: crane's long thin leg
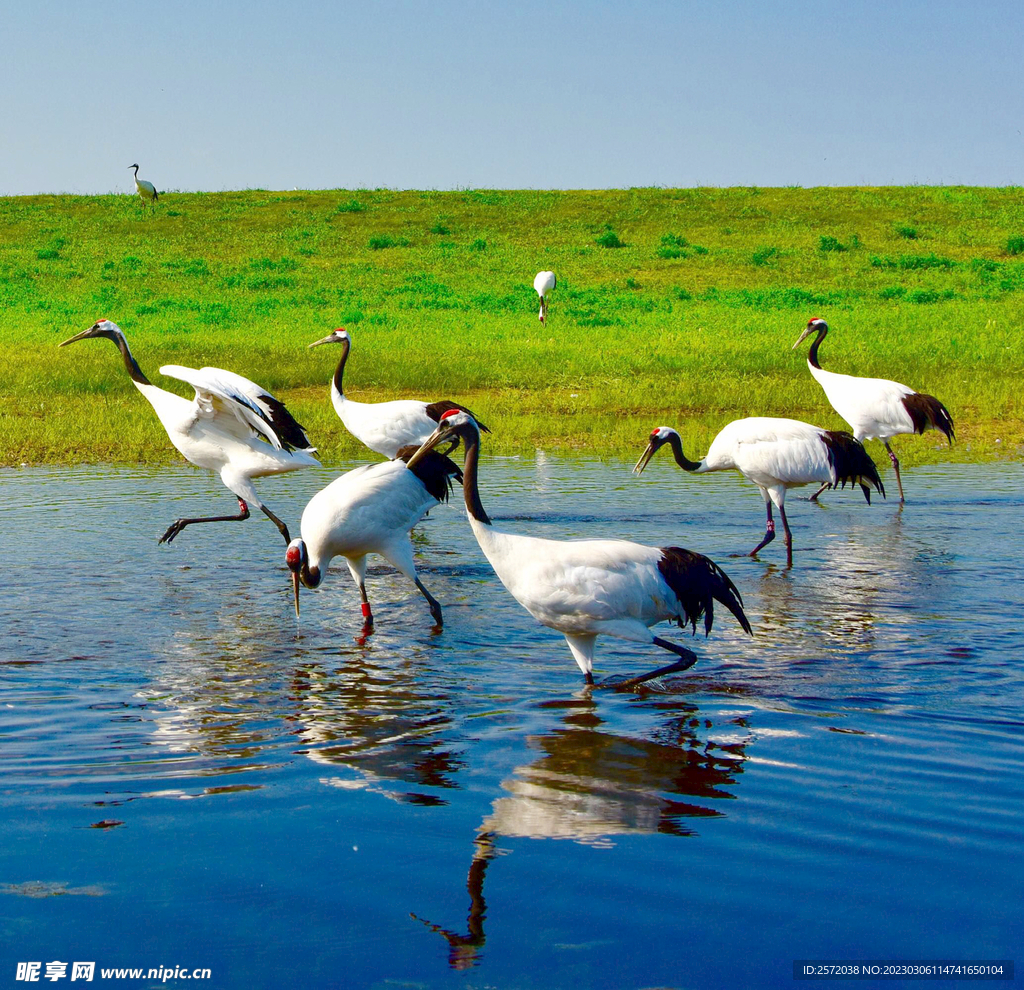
896	467
435	607
769	532
367	611
814	497
179	524
365	603
277	522
789	535
687	659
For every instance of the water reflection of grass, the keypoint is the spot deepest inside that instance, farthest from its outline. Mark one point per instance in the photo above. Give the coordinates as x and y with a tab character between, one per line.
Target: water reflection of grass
688	322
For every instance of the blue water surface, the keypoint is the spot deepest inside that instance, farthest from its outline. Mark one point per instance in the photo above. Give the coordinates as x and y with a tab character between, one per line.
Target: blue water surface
191	778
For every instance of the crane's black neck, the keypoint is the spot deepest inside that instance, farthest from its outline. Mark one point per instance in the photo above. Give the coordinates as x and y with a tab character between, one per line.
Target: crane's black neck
129	362
136	167
310	576
471	441
340	370
682	460
812	354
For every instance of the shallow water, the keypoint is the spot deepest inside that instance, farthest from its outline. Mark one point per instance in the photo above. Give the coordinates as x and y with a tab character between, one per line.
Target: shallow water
189	778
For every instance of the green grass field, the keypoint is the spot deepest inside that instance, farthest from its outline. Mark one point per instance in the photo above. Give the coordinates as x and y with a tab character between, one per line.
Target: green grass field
674	306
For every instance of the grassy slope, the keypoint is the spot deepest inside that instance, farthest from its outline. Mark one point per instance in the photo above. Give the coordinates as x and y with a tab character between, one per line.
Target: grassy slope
924	291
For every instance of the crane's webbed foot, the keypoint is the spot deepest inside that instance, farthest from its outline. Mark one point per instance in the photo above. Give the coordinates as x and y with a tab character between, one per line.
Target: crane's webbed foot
173	530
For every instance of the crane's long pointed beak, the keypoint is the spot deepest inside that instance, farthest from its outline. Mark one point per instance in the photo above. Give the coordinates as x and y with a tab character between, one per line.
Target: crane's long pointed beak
645	459
77	336
295	587
807	332
329	339
429	444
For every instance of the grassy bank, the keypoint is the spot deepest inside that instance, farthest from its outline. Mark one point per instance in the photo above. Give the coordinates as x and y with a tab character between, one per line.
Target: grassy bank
673	306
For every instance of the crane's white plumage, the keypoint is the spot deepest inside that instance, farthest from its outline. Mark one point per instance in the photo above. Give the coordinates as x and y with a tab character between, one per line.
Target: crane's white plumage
587	588
369	510
146	190
582	588
876	408
543	283
232	426
776	455
384	427
220	392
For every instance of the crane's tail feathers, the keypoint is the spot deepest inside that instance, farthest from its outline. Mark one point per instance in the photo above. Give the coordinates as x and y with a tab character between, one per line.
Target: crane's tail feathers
434	469
697	582
927	413
291	434
851	463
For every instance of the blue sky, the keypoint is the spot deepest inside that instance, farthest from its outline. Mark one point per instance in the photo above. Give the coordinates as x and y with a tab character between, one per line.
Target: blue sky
438	94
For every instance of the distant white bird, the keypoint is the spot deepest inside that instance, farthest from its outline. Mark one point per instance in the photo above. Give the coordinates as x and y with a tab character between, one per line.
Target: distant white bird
145	189
544	282
232	427
586	588
776	455
370	510
383	426
876	407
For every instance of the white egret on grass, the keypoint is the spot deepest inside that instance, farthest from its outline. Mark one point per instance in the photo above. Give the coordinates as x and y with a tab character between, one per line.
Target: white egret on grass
544	282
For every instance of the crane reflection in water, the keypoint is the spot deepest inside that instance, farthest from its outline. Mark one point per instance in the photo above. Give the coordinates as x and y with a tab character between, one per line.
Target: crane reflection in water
589	785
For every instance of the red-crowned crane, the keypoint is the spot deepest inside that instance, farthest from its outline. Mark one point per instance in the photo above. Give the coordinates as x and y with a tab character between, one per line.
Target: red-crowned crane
232	427
370	510
146	190
875	408
383	426
776	454
544	282
587	588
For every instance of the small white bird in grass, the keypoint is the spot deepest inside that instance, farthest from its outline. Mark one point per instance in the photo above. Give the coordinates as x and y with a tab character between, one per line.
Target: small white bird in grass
544	282
586	588
232	427
384	427
145	189
876	408
370	510
776	455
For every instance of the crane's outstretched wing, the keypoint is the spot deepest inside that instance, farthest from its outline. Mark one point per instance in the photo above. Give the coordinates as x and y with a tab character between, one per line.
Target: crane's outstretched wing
218	390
